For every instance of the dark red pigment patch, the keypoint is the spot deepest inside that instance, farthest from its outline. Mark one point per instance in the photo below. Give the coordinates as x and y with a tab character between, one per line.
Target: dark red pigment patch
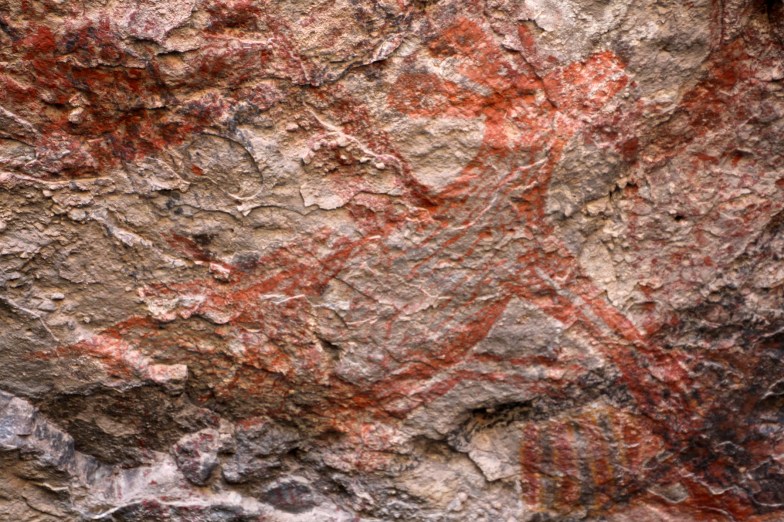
96	98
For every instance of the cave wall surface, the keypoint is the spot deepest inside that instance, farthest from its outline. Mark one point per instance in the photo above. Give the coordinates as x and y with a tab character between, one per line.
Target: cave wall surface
438	260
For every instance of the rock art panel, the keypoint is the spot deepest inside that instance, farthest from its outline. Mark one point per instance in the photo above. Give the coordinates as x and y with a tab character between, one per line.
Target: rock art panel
391	260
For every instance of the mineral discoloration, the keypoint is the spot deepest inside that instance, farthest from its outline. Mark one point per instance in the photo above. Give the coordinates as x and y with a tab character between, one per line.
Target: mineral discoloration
485	260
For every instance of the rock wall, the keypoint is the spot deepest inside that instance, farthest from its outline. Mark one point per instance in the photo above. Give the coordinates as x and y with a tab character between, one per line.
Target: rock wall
443	260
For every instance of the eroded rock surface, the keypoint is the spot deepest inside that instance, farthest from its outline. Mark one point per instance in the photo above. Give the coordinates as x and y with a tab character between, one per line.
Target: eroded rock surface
502	260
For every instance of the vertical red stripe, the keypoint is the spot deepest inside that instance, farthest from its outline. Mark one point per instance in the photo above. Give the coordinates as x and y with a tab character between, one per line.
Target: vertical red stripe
530	457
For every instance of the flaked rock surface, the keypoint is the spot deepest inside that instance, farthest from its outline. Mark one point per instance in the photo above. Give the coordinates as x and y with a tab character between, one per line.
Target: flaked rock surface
338	260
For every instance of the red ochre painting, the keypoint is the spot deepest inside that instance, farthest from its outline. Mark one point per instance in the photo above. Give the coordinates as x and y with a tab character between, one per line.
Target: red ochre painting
392	260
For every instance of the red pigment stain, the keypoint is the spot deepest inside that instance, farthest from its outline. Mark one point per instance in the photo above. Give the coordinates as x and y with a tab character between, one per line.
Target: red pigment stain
94	104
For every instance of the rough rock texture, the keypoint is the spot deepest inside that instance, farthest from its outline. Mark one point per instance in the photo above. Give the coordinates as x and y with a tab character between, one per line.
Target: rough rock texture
314	260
